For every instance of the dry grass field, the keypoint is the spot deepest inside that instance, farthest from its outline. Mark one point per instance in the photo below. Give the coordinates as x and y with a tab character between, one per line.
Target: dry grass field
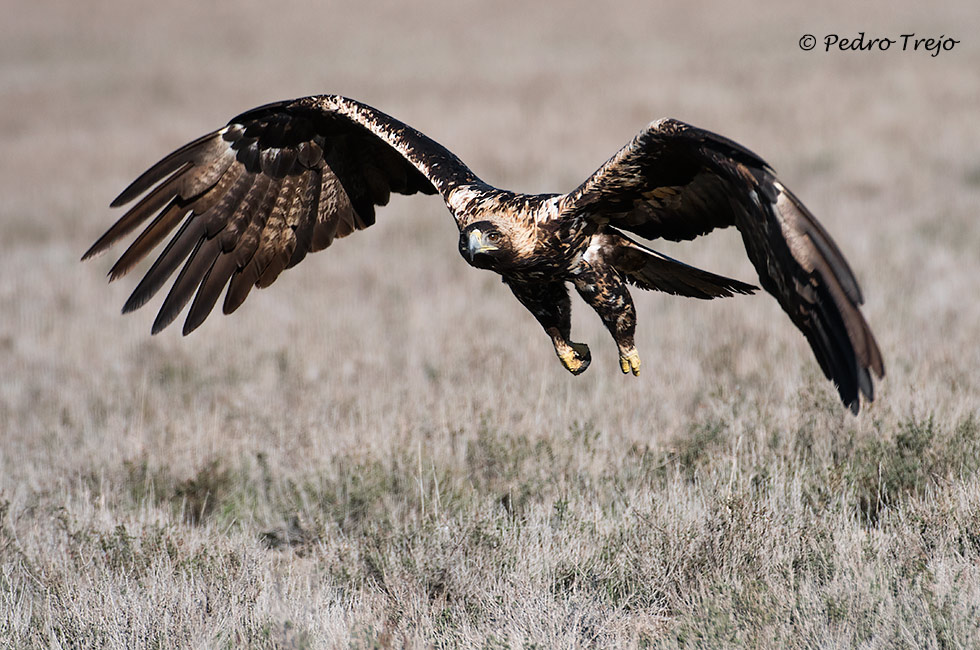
382	450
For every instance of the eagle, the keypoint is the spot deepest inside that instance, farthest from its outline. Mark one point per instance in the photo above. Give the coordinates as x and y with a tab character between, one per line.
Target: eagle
282	180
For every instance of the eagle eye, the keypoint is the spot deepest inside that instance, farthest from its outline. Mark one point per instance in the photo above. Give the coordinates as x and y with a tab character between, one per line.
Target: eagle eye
493	237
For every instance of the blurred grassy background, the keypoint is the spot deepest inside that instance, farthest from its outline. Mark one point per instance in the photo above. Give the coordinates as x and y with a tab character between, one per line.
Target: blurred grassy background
382	449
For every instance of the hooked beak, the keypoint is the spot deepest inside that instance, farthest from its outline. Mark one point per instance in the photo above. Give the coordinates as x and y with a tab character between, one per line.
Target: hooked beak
476	245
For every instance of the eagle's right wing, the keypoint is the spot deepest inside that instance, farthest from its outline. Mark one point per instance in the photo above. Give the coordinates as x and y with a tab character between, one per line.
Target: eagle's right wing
256	196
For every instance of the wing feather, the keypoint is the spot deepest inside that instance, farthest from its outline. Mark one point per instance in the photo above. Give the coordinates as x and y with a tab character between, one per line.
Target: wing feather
162	225
148	205
204	148
301	217
209	291
239	287
265	194
198	264
173	255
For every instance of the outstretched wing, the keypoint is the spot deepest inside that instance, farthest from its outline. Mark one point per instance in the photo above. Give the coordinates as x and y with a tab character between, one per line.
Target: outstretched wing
253	198
678	182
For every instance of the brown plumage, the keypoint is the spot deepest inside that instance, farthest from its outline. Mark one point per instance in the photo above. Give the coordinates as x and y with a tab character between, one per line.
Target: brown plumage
282	180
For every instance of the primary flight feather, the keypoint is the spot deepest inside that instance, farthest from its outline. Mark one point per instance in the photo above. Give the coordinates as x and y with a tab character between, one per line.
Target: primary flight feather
253	198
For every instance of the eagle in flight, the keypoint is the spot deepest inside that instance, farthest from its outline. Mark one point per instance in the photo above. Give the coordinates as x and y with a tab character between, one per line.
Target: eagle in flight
280	181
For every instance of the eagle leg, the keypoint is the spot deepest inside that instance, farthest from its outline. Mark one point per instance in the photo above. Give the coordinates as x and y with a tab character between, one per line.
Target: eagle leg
550	305
604	290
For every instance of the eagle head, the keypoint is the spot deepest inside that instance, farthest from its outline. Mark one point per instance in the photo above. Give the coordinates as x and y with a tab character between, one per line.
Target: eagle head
484	245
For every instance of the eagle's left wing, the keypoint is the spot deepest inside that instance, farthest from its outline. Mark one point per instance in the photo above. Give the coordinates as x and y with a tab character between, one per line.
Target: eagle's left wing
676	181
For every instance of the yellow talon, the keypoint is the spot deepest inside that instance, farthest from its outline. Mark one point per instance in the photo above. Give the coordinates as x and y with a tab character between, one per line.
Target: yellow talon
570	361
630	362
576	357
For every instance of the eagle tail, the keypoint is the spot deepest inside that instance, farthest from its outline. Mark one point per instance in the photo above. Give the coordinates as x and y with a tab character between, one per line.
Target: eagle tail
648	269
